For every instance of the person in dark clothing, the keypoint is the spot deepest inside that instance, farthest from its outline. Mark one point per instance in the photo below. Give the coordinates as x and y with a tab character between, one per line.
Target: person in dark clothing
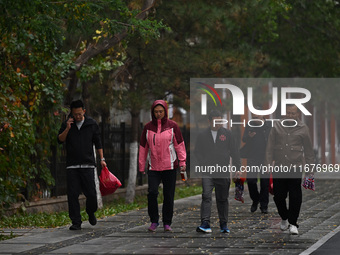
81	133
256	138
214	147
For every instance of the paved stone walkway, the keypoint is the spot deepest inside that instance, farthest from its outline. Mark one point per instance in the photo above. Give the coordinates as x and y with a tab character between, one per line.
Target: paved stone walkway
126	233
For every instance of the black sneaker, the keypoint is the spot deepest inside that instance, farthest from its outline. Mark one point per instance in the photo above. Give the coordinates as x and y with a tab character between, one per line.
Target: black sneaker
75	227
253	207
224	228
205	227
92	219
264	210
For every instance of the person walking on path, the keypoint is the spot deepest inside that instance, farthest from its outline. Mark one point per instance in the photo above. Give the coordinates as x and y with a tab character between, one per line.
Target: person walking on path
255	139
162	143
214	147
81	133
290	146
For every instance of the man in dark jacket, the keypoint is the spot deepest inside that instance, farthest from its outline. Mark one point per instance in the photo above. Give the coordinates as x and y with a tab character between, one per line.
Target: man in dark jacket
81	133
255	138
214	147
289	147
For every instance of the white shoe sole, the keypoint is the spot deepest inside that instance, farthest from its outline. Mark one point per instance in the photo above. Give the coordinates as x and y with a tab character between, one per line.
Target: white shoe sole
294	232
204	230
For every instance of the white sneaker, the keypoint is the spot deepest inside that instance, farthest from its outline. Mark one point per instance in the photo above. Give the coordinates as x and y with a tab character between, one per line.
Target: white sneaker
284	225
293	230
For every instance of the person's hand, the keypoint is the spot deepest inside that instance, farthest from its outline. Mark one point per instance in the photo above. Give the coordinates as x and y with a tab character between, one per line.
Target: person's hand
142	172
69	122
238	175
183	168
103	163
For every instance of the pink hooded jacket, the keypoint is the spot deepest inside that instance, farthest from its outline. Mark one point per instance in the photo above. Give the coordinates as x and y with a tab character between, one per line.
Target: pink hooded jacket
162	143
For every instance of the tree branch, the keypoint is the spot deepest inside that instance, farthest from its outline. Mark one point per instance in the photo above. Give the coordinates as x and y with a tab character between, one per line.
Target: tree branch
94	50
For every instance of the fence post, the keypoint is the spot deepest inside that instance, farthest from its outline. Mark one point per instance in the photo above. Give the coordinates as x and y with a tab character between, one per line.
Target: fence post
102	133
53	169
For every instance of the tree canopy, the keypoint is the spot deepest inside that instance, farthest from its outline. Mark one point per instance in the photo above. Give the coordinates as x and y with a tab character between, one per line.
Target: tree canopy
42	42
130	52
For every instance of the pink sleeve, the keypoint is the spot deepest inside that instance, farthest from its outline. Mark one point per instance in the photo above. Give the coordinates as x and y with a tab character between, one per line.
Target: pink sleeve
143	151
180	148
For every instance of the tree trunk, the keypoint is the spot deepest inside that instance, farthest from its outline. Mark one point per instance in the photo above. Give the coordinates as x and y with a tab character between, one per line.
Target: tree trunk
86	98
71	89
133	168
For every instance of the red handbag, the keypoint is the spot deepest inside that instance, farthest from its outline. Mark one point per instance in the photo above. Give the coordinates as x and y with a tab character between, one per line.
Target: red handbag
271	186
108	182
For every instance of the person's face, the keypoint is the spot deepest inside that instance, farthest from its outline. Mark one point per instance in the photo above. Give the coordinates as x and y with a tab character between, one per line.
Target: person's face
78	114
292	112
217	126
159	112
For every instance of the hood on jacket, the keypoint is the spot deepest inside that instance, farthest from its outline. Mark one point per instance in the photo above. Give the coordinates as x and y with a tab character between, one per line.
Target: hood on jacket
165	105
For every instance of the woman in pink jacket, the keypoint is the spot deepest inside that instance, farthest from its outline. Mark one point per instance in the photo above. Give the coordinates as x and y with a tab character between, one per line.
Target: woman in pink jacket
163	145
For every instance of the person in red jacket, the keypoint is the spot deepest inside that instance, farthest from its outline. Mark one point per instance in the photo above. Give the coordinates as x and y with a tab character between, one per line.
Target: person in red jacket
162	143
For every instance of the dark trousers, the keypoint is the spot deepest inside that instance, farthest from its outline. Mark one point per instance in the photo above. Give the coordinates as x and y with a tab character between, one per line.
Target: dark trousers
283	186
80	180
257	196
168	178
221	186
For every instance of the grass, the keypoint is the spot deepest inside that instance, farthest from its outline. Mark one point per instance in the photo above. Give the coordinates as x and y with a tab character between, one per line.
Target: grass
58	219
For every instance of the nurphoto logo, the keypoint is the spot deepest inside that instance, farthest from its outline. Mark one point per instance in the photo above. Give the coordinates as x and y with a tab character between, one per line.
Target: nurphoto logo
303	94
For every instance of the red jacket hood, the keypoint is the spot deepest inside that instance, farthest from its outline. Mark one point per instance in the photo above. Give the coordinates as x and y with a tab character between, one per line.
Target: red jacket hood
165	105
